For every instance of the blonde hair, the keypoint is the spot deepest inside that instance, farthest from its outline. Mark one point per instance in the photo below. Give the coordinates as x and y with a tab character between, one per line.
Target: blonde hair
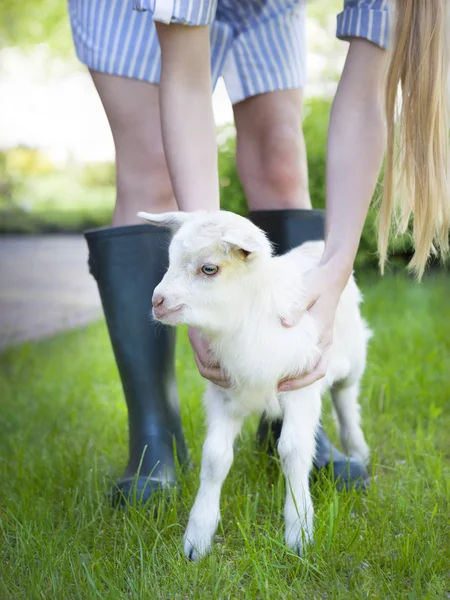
416	180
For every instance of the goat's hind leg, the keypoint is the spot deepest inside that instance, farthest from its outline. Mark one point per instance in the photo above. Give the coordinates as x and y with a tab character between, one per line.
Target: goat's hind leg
346	405
217	459
296	448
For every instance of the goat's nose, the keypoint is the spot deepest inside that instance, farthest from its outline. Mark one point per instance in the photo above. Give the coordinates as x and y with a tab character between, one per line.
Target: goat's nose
157	300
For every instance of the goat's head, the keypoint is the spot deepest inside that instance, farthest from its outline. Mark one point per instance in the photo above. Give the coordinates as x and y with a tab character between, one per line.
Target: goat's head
214	260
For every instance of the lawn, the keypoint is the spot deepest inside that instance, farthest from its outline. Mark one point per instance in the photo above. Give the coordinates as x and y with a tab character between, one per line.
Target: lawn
63	440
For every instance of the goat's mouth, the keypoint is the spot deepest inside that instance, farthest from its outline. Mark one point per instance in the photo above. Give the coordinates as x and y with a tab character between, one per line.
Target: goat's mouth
166	315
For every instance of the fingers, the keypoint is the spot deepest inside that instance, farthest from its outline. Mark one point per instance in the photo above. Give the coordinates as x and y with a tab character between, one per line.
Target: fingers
290	321
317	373
207	367
297	314
293	318
213	374
201	349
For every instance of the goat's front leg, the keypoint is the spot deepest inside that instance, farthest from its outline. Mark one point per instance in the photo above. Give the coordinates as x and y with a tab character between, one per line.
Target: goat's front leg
296	448
216	462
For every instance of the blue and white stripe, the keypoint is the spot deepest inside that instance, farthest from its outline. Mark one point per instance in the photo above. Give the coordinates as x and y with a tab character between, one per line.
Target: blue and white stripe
258	46
112	38
269	56
368	19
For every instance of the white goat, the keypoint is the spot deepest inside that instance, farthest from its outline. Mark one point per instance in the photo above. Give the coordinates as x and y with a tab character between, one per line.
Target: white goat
223	280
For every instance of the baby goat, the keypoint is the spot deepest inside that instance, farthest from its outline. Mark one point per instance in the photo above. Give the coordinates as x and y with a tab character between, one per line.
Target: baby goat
223	280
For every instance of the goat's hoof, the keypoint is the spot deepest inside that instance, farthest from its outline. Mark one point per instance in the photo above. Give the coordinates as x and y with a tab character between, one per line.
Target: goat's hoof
195	553
297	543
196	546
296	547
362	457
361	453
191	553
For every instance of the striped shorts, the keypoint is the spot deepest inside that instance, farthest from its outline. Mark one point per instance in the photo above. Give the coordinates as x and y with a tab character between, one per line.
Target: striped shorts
257	46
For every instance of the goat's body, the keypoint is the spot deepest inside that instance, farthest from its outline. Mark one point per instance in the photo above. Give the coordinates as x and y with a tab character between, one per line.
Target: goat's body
240	316
261	352
257	354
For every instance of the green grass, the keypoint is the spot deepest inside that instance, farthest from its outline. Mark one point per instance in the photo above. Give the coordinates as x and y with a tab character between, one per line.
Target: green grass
63	440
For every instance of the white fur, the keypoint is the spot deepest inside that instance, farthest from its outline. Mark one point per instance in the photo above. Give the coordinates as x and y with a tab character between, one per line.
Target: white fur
239	312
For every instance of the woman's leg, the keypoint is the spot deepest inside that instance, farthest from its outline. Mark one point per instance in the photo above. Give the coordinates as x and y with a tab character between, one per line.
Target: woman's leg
271	153
128	261
143	182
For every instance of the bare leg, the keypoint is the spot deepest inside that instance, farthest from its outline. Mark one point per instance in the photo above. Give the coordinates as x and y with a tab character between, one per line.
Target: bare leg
143	182
216	462
296	448
271	154
345	400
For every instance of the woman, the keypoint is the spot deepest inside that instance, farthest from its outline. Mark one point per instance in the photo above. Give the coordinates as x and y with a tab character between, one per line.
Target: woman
251	42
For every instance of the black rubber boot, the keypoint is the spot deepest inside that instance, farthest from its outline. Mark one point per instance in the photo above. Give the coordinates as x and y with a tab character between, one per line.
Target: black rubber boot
288	229
128	262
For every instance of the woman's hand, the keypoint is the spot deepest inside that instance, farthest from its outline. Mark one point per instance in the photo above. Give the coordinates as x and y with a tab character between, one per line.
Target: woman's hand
207	366
324	292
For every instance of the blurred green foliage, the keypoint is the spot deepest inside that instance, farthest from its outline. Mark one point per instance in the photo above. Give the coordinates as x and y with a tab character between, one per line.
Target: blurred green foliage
25	23
36	197
101	174
320	10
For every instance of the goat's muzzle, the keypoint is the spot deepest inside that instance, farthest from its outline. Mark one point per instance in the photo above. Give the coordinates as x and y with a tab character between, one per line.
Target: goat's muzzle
161	311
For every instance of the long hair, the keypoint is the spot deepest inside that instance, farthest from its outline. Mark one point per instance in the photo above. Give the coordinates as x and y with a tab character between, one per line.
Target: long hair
416	180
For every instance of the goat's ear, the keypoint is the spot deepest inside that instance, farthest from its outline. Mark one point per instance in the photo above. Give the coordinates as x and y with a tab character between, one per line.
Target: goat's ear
172	220
241	241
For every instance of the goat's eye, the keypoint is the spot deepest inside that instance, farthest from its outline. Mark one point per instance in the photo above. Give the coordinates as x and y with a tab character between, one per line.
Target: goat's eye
210	269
